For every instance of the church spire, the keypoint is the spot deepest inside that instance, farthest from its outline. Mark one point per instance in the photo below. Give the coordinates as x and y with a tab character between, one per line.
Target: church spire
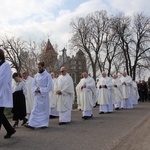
49	46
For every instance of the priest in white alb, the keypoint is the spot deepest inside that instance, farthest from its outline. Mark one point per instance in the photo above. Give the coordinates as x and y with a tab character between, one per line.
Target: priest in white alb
127	90
117	92
88	95
105	94
42	85
65	95
53	97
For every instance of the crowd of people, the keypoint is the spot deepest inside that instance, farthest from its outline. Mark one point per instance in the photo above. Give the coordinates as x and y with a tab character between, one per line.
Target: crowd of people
36	100
109	93
144	90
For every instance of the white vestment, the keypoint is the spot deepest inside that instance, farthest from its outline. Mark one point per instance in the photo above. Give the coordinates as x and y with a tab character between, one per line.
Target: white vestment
127	92
6	86
78	93
53	100
19	86
135	93
65	100
29	94
105	94
117	92
88	94
40	114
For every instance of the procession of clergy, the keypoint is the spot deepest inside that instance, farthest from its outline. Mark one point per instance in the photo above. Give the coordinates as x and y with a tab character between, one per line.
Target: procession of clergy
49	97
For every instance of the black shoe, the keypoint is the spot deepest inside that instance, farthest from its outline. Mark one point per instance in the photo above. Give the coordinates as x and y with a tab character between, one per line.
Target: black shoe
87	117
117	108
101	112
8	135
24	121
27	126
63	123
52	117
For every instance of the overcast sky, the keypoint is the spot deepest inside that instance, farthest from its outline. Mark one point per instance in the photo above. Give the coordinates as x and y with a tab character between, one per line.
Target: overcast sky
37	20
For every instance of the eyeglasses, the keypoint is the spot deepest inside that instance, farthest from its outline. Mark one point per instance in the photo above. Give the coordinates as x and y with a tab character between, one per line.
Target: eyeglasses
62	71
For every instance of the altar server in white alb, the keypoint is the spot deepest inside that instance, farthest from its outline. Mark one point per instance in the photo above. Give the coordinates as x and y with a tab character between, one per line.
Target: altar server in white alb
105	94
5	94
127	90
135	93
29	95
88	95
53	99
117	92
42	85
65	96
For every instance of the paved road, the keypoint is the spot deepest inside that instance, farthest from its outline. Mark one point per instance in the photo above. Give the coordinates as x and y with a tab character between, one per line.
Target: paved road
120	130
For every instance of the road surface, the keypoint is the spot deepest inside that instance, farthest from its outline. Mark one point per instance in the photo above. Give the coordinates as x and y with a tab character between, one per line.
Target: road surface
120	130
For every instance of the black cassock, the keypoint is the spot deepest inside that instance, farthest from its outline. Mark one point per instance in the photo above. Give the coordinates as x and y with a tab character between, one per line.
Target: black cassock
19	105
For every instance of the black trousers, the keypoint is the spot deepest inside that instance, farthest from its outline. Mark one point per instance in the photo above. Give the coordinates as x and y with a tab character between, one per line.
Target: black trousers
4	121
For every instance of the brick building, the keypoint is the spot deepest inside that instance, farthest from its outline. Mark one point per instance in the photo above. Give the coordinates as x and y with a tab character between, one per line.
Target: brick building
75	65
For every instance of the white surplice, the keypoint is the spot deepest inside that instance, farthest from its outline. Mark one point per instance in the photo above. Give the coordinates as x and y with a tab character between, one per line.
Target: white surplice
127	92
53	100
6	86
105	95
65	100
135	93
78	93
117	92
40	114
19	86
29	95
87	95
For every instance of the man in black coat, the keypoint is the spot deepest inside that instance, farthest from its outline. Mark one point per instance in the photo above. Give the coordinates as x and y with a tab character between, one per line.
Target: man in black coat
143	91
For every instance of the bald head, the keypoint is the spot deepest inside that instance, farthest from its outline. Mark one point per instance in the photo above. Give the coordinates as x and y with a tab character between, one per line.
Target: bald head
124	74
103	74
63	71
53	74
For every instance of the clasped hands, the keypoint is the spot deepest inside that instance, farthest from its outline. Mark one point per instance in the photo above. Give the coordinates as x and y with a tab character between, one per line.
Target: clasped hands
83	86
123	83
58	92
38	90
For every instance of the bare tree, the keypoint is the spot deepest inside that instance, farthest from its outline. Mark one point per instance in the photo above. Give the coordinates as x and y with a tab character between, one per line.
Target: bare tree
32	57
14	48
134	35
121	26
141	43
110	49
88	35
